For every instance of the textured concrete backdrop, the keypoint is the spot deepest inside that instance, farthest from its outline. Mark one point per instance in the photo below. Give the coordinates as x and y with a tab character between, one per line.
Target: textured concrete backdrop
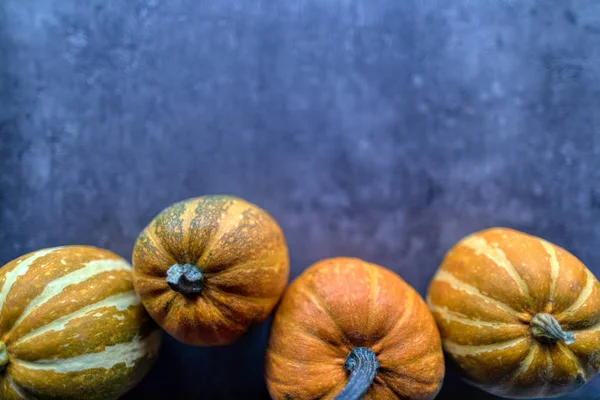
384	129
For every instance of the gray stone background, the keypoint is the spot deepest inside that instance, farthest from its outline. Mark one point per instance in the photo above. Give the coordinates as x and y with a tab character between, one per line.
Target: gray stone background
384	129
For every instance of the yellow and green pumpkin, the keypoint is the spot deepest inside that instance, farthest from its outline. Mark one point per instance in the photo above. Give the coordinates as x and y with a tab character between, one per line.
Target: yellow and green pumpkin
71	326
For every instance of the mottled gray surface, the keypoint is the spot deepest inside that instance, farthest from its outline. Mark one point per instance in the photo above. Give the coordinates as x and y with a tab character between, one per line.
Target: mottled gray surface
386	130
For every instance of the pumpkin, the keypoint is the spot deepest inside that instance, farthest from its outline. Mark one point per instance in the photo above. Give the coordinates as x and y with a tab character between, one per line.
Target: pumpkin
519	316
71	326
348	329
208	268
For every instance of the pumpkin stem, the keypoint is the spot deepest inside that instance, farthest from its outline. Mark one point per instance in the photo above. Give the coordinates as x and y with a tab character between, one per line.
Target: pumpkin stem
3	356
545	328
186	279
362	365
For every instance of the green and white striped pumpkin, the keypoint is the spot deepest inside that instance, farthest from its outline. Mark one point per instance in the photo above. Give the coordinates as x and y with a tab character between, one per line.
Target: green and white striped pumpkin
71	326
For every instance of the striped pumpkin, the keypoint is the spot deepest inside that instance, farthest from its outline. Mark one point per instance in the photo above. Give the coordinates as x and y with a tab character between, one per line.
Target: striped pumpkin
71	326
519	316
209	268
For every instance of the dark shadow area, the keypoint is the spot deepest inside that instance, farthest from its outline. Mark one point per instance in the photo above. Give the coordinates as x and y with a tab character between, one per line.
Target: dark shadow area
223	372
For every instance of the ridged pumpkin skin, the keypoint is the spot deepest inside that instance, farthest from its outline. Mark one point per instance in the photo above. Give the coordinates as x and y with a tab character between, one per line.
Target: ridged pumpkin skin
485	297
241	253
342	303
73	326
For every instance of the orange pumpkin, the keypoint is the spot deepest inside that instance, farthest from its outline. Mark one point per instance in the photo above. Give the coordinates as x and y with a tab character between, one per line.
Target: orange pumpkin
71	326
208	268
347	329
519	316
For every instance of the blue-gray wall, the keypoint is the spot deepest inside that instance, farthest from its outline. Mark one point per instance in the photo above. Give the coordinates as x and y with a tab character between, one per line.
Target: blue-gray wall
386	131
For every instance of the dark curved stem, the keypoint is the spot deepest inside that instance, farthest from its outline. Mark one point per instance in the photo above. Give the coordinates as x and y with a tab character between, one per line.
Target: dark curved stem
186	279
545	328
362	365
